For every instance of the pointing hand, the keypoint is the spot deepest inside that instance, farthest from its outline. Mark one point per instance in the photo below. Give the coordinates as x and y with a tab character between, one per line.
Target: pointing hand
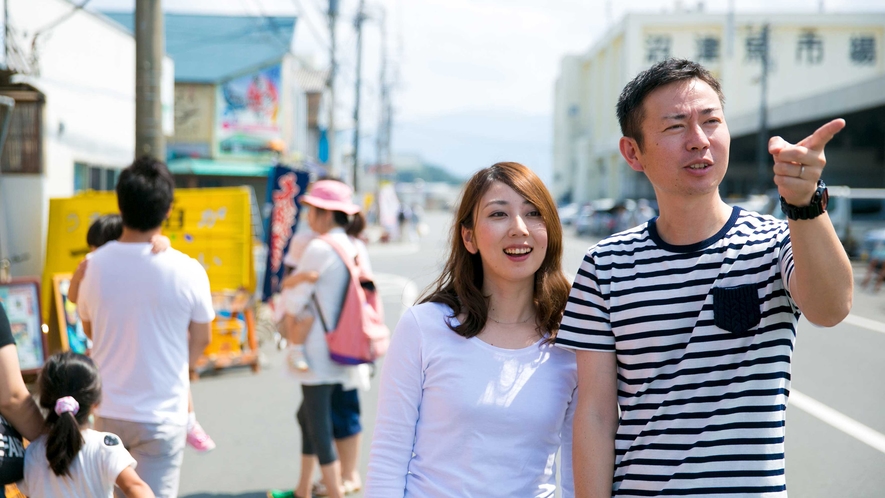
798	167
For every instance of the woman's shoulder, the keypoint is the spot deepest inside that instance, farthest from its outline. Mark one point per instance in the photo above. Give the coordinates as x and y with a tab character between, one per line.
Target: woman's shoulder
563	357
432	311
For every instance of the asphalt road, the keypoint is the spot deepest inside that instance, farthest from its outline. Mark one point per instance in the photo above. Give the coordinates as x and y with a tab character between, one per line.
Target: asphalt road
835	443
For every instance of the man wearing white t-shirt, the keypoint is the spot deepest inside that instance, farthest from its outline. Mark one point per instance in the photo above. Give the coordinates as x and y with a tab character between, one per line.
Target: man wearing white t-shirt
149	318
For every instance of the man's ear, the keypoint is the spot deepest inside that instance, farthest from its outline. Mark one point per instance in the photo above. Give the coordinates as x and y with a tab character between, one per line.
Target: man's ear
630	151
467	238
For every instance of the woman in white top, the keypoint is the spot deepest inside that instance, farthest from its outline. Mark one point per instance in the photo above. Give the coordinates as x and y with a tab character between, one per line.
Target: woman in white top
331	212
475	400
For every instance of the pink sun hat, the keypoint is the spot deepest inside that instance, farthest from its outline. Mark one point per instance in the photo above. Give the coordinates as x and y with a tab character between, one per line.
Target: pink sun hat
331	195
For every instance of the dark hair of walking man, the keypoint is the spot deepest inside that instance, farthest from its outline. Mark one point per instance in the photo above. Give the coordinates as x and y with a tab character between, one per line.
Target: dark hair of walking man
688	322
149	317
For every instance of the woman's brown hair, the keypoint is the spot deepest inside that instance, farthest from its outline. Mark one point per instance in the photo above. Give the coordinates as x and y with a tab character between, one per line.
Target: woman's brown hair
459	286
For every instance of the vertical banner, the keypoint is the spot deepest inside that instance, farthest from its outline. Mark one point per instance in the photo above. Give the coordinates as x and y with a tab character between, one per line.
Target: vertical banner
285	188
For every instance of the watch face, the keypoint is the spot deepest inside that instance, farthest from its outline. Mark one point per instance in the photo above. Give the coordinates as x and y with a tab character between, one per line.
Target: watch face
824	199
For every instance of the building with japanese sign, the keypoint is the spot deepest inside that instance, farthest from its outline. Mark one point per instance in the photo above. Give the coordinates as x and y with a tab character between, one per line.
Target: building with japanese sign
820	66
243	100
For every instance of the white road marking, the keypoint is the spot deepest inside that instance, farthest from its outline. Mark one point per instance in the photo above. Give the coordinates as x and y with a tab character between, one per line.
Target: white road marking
396	286
393	249
866	323
838	420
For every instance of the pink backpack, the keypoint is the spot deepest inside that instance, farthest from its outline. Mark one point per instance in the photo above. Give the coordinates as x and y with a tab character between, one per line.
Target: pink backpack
360	336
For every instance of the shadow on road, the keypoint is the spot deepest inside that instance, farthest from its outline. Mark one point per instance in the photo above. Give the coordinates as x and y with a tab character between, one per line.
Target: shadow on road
250	494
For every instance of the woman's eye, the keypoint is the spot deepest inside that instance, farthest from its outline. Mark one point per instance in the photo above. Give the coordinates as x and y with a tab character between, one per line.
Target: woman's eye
534	213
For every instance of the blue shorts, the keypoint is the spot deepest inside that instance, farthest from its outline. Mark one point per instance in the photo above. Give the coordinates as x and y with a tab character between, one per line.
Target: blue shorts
345	413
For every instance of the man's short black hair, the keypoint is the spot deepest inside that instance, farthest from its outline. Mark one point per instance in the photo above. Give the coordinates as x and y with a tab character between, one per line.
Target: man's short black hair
144	194
630	110
104	229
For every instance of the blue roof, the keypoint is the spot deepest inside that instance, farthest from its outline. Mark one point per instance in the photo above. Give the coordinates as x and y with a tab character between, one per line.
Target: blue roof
209	49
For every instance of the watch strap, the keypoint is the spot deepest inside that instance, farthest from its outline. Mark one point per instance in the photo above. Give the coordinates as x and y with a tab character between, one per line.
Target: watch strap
814	208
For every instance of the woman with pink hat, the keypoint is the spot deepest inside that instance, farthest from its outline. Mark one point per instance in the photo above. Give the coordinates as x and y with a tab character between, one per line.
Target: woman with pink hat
331	213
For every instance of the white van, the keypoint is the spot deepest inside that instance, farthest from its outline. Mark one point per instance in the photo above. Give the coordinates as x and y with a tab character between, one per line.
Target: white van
866	221
858	215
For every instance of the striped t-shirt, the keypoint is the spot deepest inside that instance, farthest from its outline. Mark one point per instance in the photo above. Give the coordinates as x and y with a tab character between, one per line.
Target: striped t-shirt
703	334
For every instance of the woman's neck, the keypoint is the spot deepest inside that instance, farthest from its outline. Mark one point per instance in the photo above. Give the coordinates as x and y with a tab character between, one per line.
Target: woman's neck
510	303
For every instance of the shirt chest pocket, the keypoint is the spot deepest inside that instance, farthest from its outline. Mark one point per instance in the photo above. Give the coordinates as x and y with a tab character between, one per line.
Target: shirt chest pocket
736	309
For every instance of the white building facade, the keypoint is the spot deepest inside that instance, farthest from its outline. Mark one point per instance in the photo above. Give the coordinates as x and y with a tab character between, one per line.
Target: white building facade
821	66
74	123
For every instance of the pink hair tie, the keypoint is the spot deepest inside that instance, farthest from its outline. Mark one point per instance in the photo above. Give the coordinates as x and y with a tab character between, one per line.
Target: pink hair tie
67	404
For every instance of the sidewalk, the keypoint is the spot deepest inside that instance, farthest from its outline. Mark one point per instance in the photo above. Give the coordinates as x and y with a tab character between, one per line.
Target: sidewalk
867	304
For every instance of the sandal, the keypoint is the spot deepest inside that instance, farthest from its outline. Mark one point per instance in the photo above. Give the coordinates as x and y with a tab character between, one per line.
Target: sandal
319	489
351	487
279	493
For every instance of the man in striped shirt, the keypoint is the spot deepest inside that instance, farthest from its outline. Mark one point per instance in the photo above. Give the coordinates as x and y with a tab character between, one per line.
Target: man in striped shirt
687	322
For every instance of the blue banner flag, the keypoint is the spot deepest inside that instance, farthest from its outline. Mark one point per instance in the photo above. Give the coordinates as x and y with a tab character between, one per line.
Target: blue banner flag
285	188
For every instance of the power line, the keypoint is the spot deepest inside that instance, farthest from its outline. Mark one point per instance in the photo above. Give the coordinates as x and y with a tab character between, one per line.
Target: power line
287	44
61	19
314	31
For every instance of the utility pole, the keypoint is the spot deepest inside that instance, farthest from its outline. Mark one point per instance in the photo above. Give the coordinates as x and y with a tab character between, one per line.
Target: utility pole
382	137
330	83
149	50
358	24
763	160
4	33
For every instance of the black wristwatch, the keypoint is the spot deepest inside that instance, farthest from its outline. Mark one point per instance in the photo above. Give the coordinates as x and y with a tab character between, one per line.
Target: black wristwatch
815	208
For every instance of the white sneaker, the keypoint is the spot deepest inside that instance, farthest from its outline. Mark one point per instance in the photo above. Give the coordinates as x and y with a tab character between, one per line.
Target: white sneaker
295	359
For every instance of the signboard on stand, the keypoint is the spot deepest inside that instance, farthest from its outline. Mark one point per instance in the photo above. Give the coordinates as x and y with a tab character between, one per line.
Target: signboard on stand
212	225
71	336
21	300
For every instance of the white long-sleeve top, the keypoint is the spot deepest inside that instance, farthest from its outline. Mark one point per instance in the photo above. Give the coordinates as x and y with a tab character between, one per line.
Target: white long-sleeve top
460	417
320	257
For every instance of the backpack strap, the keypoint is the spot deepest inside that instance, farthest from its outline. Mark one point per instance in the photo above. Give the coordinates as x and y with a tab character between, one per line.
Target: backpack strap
319	312
351	265
348	261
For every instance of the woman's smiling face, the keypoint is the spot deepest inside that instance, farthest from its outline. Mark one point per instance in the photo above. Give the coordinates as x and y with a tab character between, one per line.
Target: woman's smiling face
509	234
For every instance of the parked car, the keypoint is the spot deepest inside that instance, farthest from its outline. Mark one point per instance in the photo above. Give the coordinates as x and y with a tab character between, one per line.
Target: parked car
867	220
568	213
603	217
858	216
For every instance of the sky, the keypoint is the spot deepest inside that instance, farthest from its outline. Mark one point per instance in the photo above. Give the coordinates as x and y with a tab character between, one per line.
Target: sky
474	79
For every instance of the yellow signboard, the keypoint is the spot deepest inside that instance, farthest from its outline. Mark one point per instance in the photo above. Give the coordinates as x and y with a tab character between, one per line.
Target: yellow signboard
212	225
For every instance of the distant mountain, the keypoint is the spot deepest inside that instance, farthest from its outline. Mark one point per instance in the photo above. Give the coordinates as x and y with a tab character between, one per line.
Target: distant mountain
430	173
464	142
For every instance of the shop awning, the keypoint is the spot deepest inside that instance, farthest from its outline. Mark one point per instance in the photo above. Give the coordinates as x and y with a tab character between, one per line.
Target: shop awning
213	167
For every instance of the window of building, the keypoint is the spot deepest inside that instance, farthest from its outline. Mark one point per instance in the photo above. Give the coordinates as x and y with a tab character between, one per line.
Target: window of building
810	48
657	48
755	47
707	49
23	150
110	178
863	49
88	177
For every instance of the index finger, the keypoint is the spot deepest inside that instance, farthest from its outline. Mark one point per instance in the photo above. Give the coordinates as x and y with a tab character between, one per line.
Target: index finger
824	134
